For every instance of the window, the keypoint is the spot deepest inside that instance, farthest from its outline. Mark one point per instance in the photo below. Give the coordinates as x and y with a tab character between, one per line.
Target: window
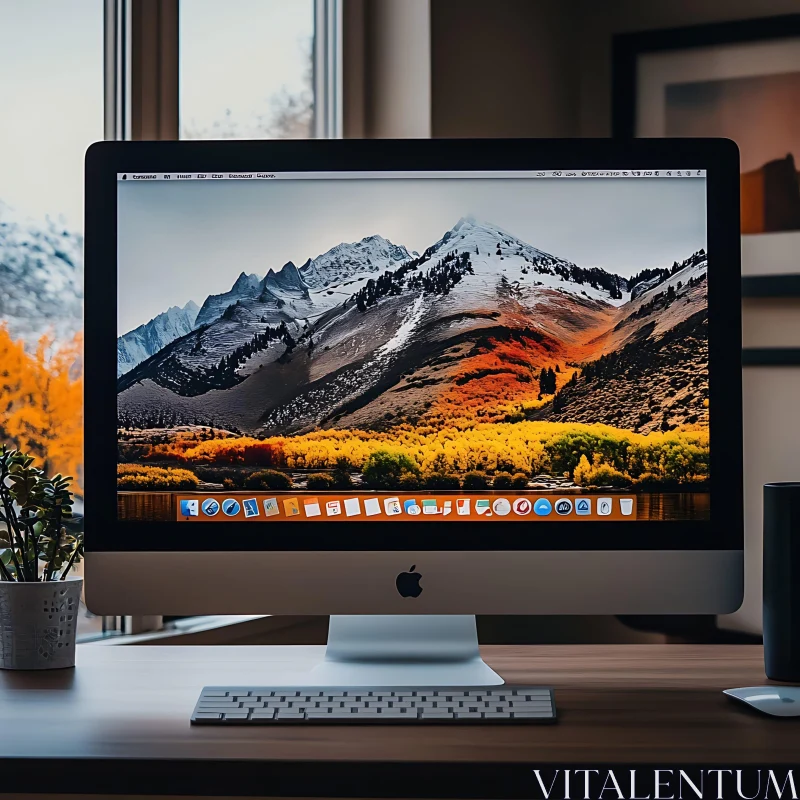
246	69
51	95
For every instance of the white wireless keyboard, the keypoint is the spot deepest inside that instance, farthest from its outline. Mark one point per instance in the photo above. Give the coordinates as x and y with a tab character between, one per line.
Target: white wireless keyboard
247	705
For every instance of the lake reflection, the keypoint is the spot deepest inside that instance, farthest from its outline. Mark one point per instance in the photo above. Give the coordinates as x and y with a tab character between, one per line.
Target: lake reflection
673	506
146	506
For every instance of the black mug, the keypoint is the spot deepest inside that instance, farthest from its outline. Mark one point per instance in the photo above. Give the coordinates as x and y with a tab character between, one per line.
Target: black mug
782	581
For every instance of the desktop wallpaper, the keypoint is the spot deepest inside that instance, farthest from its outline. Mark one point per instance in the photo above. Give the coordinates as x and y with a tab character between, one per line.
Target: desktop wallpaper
413	337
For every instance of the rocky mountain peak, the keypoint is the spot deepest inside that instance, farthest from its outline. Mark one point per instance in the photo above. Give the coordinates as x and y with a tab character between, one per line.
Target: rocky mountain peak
244	282
346	260
287	279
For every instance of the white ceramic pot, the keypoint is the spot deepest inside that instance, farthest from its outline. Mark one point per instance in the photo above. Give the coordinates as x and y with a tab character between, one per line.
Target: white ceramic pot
38	622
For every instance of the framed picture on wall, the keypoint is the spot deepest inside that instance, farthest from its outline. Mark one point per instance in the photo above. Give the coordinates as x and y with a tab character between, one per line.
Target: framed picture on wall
740	80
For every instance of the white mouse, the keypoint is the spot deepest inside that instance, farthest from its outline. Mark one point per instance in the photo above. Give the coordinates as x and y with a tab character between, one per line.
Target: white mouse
779	701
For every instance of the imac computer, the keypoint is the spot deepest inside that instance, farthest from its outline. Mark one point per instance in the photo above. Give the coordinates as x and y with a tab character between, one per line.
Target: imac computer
406	382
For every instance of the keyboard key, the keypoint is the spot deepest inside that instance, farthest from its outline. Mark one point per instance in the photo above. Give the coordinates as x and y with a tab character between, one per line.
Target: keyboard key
207	715
219	702
213	710
531	714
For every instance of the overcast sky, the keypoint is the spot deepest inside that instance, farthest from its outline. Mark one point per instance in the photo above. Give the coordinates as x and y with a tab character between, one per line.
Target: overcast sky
234	57
184	241
51	103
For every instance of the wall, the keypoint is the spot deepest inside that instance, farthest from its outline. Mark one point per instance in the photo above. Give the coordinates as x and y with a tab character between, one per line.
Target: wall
396	83
511	67
772	437
538	68
502	68
599	20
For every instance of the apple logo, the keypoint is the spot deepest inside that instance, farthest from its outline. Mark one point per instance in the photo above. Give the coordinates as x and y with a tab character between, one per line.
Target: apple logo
408	583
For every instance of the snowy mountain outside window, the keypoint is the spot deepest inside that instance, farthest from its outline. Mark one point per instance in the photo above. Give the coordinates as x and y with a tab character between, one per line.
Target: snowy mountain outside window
51	96
246	69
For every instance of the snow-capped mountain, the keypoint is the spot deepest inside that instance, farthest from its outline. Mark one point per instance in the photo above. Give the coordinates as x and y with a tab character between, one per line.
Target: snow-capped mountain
146	340
494	251
469	234
347	342
349	260
681	273
645	286
323	303
323	275
369	334
215	304
41	277
286	280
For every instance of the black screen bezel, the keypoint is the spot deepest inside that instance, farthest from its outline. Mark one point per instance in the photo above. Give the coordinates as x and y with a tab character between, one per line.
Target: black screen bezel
720	159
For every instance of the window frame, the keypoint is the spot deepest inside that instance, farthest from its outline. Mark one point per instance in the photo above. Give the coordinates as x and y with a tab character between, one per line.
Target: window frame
141	101
142	68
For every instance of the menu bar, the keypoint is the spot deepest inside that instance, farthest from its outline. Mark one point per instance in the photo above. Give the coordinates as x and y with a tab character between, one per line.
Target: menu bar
363	507
521	174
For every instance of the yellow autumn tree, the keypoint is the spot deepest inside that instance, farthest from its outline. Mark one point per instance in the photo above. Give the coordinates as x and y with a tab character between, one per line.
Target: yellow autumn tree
41	401
593	454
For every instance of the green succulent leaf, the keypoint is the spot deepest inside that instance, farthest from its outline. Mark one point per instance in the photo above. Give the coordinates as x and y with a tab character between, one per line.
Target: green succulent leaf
37	518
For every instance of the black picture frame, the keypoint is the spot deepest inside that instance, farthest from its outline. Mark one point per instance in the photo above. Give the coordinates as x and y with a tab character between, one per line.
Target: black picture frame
105	160
771	357
626	49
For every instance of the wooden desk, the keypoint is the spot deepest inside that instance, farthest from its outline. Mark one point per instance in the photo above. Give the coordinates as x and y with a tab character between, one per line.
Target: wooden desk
119	722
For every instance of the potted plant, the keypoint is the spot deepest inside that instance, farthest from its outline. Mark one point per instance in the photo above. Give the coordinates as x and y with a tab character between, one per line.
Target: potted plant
40	542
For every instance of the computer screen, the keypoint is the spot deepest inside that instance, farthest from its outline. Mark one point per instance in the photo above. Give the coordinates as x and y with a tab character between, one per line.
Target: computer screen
525	347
